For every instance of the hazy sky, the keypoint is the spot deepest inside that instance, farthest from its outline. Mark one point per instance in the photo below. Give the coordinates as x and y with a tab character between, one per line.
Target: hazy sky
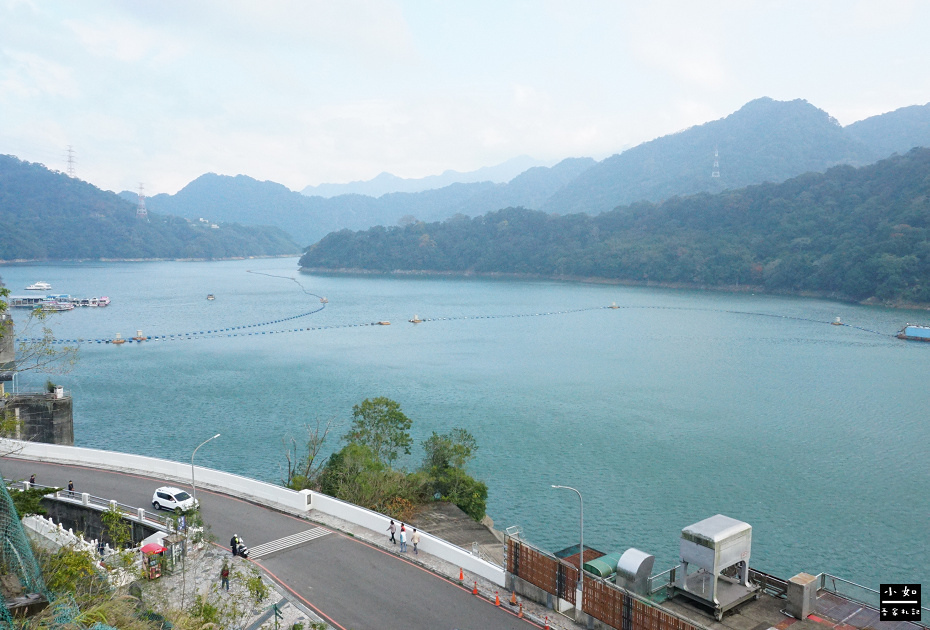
303	92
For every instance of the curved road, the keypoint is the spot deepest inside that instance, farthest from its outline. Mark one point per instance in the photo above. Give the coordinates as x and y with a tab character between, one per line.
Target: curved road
348	582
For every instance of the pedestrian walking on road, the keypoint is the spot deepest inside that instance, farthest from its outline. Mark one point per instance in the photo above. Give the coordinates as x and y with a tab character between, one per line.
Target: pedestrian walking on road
224	576
415	539
70	486
403	539
32	479
392	528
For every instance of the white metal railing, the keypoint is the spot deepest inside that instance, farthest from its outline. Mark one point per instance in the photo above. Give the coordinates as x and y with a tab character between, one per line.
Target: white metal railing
98	503
862	595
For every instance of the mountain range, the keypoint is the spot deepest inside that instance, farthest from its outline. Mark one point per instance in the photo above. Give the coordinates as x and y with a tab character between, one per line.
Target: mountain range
764	141
387	183
47	215
861	234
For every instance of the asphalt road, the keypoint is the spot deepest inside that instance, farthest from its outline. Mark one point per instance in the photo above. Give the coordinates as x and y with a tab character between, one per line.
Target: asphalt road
348	582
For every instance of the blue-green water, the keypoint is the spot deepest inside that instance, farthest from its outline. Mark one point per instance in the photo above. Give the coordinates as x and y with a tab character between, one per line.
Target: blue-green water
677	406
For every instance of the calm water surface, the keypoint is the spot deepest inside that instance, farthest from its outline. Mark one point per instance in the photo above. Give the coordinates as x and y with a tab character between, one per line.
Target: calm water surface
677	406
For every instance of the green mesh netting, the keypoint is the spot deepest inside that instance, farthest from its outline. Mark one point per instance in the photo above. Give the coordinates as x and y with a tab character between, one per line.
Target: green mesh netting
65	611
16	554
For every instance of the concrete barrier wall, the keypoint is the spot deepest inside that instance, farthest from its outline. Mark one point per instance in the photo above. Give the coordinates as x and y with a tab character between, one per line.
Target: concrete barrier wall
428	543
251	489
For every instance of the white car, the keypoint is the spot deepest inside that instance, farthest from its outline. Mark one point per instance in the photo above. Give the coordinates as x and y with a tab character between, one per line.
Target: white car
171	498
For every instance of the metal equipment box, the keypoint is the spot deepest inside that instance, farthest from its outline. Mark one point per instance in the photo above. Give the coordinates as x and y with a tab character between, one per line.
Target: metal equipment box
713	546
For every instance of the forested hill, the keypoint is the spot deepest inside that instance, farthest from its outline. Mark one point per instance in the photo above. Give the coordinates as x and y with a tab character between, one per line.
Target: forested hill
46	215
847	233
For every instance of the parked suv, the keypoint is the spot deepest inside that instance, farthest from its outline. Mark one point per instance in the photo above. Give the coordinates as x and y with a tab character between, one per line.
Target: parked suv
171	498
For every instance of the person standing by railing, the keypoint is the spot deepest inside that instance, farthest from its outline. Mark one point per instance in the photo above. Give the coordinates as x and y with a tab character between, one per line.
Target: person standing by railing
70	486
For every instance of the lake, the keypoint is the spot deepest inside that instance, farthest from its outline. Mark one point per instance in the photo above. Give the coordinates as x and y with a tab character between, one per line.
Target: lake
672	408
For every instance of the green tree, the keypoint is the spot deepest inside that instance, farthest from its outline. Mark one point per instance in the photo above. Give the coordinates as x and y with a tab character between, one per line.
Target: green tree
304	464
29	501
380	425
449	450
456	486
446	456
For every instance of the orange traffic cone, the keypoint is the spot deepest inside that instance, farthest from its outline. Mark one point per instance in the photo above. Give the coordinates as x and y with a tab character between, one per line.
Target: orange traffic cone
547	623
521	611
513	598
475	592
497	599
461	575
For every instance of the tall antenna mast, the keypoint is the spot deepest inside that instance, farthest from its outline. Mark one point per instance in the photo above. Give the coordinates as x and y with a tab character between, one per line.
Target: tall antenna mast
141	212
70	161
716	171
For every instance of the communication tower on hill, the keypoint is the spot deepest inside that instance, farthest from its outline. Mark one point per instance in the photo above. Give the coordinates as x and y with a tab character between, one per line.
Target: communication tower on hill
141	212
716	171
70	161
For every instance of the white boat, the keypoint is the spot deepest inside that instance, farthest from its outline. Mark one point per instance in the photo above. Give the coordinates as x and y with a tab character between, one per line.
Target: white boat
39	286
55	305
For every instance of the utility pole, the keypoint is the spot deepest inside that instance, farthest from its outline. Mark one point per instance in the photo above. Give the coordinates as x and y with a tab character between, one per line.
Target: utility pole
716	171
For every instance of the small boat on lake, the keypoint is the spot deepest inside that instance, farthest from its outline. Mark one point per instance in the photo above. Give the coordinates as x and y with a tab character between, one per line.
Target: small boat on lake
210	296
324	300
416	320
119	339
837	322
383	323
39	286
913	332
55	305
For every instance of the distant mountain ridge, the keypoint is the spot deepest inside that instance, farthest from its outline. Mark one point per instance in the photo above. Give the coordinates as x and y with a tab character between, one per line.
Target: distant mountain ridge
764	141
386	183
307	219
47	215
852	233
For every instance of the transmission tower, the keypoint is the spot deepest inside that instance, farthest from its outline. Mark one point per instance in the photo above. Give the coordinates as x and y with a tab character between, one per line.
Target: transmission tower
716	171
70	161
141	212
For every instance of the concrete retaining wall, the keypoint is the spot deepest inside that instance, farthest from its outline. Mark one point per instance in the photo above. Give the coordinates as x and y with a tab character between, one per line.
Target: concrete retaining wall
260	492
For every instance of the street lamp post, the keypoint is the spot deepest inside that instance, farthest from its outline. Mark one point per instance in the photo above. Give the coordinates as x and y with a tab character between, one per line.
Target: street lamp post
194	483
578	601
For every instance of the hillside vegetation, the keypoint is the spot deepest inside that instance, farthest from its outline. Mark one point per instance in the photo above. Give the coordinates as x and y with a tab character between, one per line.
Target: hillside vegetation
47	215
848	233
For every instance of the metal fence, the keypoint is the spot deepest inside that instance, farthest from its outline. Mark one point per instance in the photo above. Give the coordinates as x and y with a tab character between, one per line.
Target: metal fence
601	599
99	503
540	569
864	595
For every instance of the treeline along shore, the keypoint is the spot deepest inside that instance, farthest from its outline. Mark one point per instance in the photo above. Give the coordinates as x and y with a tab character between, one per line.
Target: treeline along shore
852	234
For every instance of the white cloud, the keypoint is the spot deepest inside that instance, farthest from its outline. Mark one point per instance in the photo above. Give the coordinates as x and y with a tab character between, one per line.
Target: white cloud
302	92
29	75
